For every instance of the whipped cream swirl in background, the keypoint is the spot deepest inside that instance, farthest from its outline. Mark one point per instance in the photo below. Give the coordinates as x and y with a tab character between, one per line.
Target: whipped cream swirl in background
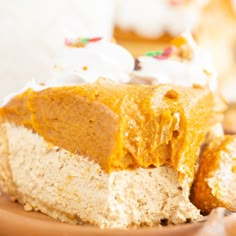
152	18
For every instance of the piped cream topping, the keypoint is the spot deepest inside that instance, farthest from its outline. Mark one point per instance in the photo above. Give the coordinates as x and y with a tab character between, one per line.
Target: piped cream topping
184	63
153	18
86	62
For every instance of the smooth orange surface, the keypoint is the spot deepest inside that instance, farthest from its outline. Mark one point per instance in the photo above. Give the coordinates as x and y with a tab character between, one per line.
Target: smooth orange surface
120	126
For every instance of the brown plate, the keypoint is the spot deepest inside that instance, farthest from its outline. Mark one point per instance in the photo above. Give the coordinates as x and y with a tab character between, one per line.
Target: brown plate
15	221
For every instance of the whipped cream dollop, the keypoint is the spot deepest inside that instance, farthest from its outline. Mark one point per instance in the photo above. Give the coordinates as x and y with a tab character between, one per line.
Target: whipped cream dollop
85	60
152	18
184	64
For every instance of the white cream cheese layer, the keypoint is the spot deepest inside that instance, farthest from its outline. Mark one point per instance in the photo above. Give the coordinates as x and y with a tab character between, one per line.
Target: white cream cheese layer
152	18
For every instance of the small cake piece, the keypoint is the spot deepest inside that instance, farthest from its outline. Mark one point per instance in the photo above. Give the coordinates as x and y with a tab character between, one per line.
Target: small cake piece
215	181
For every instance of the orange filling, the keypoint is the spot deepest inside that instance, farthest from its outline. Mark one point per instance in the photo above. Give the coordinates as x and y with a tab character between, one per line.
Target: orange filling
120	126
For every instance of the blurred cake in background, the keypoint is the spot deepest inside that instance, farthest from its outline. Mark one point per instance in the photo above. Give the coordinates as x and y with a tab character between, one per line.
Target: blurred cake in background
143	26
217	33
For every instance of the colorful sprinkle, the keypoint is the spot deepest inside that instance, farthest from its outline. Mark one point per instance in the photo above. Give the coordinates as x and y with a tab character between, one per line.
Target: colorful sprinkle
167	52
154	53
80	42
95	39
161	55
83	40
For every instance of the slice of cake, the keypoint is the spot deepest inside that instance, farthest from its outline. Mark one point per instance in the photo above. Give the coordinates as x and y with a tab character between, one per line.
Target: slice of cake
103	152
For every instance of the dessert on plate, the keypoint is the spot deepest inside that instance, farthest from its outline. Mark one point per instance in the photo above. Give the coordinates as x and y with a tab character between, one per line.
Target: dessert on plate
94	145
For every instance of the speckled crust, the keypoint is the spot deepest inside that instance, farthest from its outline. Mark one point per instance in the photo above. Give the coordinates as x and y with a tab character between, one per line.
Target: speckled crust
214	184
